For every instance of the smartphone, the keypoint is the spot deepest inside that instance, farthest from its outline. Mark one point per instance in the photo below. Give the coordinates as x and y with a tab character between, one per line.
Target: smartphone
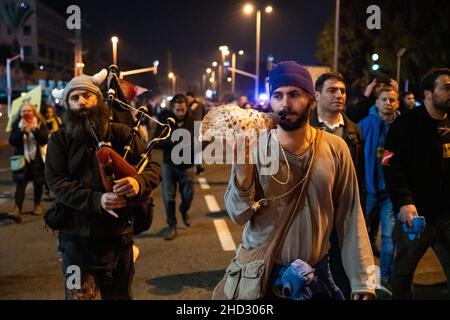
28	117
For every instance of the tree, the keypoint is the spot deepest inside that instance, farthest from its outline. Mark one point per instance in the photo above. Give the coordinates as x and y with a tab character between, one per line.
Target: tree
422	27
14	15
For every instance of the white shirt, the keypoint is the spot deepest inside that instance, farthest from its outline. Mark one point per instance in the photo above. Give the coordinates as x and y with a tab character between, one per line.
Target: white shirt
332	126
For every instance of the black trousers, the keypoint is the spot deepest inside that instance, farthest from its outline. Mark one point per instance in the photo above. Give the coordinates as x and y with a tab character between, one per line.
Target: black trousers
409	252
28	175
105	267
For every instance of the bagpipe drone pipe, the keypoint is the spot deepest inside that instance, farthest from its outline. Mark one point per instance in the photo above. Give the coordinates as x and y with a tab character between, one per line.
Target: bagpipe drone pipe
114	166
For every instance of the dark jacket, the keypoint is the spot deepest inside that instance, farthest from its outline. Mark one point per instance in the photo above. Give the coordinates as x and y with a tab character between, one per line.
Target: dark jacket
355	142
168	145
359	110
417	173
37	166
72	174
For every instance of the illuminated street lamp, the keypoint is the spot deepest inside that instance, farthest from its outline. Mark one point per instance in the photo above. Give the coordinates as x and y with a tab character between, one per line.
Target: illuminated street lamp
114	41
248	9
8	78
172	76
233	70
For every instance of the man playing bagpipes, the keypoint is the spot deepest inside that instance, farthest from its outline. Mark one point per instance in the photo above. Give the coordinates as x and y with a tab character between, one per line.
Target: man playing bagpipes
98	194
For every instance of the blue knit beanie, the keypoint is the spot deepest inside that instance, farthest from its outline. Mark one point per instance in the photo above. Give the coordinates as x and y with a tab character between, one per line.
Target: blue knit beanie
290	73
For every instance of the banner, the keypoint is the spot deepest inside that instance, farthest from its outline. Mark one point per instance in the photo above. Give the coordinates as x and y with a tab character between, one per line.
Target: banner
33	96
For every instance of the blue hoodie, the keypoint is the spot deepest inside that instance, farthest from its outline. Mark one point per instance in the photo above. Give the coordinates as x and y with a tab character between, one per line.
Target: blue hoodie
374	131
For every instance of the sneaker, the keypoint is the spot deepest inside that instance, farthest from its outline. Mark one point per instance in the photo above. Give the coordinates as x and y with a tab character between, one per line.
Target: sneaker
384	290
38	210
15	215
186	219
171	234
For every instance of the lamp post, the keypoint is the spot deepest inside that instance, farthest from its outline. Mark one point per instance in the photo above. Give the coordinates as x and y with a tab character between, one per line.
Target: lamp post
114	41
400	53
8	77
233	70
174	82
248	9
336	37
153	69
223	52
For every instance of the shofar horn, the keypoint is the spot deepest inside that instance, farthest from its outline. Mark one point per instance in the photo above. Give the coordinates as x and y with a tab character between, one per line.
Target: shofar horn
230	119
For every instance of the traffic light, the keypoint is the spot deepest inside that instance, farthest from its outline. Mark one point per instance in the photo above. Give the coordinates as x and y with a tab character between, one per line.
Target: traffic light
375	58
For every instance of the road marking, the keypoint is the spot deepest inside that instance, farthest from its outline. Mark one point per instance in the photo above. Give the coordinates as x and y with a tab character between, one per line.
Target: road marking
13	191
203	184
212	204
226	240
3	202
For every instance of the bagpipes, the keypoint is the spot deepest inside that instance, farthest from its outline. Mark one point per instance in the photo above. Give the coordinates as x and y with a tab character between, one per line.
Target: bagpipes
114	166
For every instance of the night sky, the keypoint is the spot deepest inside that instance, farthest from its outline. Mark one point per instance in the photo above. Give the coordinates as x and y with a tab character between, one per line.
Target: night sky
194	29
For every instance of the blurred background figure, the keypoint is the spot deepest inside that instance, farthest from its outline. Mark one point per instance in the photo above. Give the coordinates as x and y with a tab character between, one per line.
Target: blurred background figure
358	111
53	124
407	102
243	102
29	136
177	174
197	111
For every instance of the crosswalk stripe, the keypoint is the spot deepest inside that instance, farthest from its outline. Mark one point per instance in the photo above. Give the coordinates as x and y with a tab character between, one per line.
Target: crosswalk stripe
225	238
203	184
212	204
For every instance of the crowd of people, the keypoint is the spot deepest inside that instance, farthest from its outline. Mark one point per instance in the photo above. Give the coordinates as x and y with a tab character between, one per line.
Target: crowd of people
373	165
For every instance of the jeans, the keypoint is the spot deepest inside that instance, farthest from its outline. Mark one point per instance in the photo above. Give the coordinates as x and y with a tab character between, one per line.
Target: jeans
106	267
382	203
409	252
185	179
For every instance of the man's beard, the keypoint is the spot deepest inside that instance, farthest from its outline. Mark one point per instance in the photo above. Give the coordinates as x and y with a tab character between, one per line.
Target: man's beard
440	104
302	119
79	127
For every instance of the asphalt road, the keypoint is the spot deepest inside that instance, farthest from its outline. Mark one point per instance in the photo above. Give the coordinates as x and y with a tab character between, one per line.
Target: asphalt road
185	268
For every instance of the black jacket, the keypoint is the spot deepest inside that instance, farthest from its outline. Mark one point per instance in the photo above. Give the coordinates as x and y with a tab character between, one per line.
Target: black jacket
72	174
355	142
417	173
359	110
167	145
16	139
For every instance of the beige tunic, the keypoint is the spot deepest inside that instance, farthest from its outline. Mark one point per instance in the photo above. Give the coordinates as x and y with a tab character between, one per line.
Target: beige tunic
332	196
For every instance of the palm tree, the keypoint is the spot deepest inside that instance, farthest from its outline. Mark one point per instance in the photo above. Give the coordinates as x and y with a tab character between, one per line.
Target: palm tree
14	15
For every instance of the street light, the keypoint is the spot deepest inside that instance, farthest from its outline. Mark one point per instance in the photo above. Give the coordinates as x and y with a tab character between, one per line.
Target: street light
172	76
233	70
8	77
400	53
336	37
223	52
114	41
248	9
